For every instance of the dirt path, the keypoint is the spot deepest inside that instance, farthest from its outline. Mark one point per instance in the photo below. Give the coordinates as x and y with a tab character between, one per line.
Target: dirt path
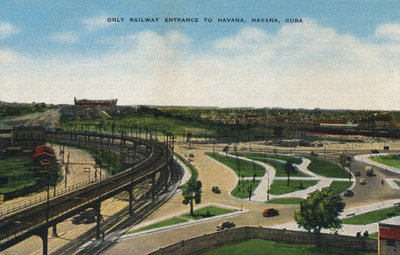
48	119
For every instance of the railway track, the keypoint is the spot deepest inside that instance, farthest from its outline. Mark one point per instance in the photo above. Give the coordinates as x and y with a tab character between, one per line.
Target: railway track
34	219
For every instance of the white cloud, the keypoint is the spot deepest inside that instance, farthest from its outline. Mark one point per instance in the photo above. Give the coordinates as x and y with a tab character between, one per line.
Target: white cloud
302	65
65	37
7	30
245	37
388	31
96	23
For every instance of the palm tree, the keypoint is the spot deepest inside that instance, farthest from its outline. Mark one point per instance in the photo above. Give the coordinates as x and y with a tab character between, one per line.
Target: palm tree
289	168
192	193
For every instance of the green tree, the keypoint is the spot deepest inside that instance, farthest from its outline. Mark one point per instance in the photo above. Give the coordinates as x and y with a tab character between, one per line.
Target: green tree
226	149
289	168
343	161
321	209
192	193
189	136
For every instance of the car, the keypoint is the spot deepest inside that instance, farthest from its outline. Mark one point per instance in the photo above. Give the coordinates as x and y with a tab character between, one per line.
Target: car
358	173
374	151
349	193
362	181
226	225
270	212
85	217
369	170
216	190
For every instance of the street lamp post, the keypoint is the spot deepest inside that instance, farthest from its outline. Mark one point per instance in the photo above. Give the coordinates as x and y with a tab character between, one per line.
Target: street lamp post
268	185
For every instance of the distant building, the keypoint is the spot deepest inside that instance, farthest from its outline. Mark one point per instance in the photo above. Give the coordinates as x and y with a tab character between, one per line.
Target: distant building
27	137
338	124
95	103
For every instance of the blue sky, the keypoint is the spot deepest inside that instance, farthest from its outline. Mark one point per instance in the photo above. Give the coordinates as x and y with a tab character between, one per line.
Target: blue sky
68	48
37	20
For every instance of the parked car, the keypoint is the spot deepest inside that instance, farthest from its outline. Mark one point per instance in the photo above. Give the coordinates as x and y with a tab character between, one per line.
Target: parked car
216	190
270	212
349	193
85	217
362	181
358	173
226	225
369	170
374	151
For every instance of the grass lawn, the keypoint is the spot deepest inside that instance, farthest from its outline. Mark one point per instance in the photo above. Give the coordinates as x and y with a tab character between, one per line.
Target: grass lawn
295	160
168	222
266	247
246	168
285	201
178	127
206	212
374	216
192	169
398	183
279	167
19	172
373	235
326	168
241	189
339	187
389	160
279	187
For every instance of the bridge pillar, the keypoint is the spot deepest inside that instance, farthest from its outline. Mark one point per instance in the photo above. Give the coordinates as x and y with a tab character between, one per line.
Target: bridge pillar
97	208
43	233
54	234
135	148
153	187
166	177
131	199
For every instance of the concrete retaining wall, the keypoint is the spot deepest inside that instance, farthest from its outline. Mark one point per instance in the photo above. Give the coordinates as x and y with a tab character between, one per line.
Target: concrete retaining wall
200	244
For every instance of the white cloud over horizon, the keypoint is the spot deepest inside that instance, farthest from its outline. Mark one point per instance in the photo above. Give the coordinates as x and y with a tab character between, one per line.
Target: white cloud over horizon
388	31
301	66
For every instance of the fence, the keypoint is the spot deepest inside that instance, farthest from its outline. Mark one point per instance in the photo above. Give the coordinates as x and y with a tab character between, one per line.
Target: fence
205	242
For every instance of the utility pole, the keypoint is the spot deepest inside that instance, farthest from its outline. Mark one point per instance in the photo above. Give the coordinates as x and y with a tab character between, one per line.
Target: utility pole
87	170
97	169
66	171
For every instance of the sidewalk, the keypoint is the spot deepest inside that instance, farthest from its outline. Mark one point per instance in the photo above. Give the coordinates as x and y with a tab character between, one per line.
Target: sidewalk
260	193
352	230
187	174
365	158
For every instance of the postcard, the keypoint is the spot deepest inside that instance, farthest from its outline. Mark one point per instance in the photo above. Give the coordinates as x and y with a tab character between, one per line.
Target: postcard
199	127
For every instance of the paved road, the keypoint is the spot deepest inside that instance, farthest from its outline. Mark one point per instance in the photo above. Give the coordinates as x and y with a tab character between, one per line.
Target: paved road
213	173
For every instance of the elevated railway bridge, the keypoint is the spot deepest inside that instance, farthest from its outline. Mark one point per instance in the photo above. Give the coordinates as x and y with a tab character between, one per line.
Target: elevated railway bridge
23	221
